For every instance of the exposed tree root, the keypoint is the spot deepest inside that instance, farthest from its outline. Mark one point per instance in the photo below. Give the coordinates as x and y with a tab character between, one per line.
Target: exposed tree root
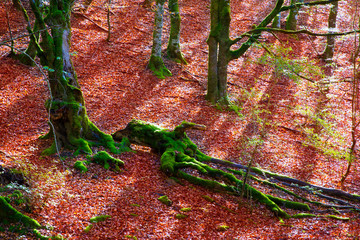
180	157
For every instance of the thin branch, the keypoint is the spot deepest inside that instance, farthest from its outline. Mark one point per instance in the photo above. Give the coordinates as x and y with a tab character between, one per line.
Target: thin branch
297	5
302	31
25	35
83	15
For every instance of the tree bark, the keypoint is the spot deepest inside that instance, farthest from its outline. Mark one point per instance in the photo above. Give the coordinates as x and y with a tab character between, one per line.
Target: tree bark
173	48
291	20
69	123
328	53
156	63
219	49
219	44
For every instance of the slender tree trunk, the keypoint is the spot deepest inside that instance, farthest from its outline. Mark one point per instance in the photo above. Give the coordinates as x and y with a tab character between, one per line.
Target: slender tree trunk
224	50
156	64
173	48
328	53
219	50
291	20
212	84
277	21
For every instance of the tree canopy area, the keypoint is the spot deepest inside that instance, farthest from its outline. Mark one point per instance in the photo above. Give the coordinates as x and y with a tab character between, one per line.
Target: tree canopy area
203	119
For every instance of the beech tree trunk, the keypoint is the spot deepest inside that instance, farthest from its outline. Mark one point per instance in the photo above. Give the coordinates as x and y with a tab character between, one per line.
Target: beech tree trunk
156	63
330	43
69	123
219	50
219	44
291	20
173	48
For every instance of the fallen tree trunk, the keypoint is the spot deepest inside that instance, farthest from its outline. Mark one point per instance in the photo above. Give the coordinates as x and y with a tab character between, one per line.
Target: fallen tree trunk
180	157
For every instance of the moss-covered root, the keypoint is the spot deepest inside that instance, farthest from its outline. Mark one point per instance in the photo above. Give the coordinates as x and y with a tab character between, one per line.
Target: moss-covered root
10	214
157	66
80	165
107	161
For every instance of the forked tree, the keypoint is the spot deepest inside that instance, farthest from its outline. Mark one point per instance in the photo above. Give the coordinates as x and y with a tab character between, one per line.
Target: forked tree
220	52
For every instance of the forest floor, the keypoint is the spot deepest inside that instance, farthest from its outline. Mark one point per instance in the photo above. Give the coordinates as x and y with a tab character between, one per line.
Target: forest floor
118	88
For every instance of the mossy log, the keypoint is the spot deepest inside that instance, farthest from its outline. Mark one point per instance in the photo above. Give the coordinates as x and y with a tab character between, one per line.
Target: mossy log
8	214
181	158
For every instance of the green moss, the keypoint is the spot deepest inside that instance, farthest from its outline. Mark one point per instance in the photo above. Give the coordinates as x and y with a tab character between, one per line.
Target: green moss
107	161
99	218
42	237
80	165
132	237
165	200
81	144
157	66
168	161
309	215
49	151
222	227
88	228
185	209
337	217
207	198
289	204
10	214
134	205
181	216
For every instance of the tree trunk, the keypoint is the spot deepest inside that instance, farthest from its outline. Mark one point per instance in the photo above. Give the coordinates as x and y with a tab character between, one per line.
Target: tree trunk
69	123
291	20
173	48
156	64
328	53
219	50
277	21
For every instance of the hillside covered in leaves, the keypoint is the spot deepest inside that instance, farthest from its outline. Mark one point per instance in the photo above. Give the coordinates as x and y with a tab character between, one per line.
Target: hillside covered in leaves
291	113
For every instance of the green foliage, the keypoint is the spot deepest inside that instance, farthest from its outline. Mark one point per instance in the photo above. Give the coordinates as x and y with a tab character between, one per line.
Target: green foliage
322	132
283	63
99	218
